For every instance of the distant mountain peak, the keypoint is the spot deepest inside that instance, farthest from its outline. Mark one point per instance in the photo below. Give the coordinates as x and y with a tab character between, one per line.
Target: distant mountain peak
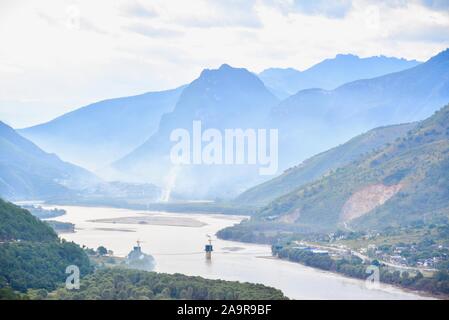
333	72
353	57
3	125
276	69
347	56
442	56
223	69
228	76
225	66
7	131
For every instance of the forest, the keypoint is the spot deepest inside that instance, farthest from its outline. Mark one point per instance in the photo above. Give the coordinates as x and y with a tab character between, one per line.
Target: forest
31	254
125	284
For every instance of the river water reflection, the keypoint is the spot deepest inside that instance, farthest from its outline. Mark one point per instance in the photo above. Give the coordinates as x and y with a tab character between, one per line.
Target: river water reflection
177	241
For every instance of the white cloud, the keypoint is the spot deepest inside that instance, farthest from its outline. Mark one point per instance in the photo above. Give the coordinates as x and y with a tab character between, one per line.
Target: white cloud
149	31
59	55
331	9
137	10
209	14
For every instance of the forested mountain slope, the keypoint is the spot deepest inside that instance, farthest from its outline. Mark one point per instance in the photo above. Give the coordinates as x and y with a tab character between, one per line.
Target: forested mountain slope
313	168
406	181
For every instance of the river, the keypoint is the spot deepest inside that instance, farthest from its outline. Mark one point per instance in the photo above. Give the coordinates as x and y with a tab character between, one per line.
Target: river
177	241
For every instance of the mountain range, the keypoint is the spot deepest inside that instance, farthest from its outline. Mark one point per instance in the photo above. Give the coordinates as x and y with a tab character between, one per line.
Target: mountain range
309	122
133	133
98	134
29	173
314	120
331	73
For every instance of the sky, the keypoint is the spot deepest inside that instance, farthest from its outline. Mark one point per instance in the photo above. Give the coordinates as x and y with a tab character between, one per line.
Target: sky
58	55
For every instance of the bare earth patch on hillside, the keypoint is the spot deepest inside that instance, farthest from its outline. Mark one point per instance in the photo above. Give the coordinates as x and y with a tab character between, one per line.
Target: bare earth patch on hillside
367	199
291	217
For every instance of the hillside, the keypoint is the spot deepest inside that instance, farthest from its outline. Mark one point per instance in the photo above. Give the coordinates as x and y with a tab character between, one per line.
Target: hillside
313	168
314	120
31	254
100	133
27	172
18	224
331	73
405	182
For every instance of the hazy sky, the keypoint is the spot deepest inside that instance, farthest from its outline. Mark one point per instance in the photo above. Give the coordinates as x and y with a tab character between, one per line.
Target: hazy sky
58	55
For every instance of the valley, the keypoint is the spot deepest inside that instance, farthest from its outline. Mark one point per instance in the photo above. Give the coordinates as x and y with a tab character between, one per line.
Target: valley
351	178
224	150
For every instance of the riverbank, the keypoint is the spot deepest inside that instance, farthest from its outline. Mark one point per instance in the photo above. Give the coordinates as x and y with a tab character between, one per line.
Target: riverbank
354	267
187	207
421	293
341	259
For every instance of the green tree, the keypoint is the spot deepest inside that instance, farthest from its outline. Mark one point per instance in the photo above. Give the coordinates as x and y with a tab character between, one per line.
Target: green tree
102	251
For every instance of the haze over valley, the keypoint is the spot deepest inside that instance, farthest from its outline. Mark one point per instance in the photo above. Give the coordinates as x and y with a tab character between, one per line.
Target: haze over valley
128	139
224	150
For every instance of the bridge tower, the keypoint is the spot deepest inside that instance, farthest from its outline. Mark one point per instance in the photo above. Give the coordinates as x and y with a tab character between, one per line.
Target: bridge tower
208	249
